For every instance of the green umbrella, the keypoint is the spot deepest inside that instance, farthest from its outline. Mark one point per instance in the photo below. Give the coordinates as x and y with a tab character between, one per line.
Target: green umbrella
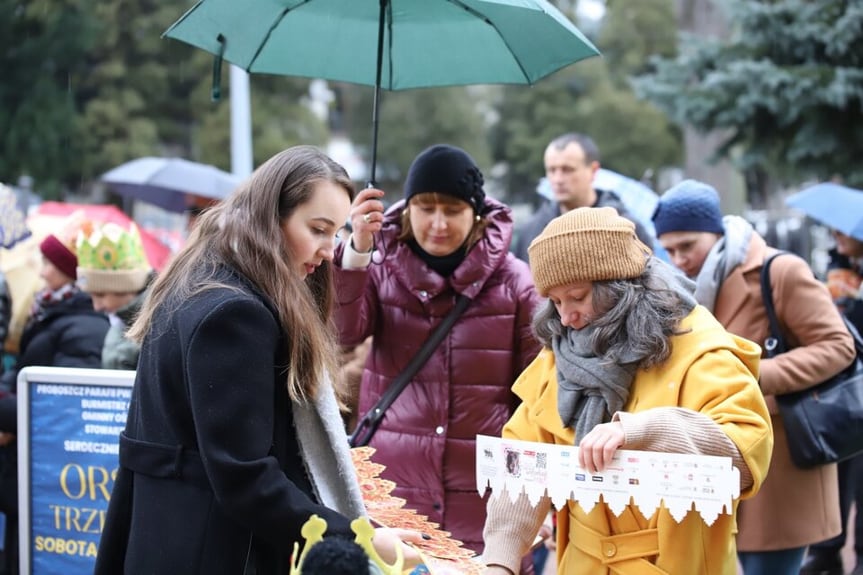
390	44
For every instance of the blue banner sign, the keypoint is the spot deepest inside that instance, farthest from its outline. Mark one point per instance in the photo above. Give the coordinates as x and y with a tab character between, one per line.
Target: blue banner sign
69	424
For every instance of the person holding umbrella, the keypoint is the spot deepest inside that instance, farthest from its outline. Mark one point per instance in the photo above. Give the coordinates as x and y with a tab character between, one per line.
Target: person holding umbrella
233	426
725	256
840	208
398	276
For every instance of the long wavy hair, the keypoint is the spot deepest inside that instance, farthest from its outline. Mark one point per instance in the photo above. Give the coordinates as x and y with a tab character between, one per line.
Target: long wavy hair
634	318
244	232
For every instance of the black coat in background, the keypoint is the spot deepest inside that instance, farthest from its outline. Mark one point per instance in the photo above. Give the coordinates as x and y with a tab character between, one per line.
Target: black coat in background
68	333
211	378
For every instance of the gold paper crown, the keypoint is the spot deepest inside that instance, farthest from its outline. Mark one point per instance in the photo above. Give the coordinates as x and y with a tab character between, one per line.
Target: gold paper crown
111	248
313	532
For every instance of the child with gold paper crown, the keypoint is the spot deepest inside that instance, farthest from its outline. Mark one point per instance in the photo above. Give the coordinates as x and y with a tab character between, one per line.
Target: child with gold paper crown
113	269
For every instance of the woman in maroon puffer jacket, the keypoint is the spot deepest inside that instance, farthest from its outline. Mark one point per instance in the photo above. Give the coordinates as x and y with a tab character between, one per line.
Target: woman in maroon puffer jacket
446	238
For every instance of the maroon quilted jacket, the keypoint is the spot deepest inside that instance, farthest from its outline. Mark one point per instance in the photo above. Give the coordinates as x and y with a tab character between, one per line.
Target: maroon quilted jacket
427	438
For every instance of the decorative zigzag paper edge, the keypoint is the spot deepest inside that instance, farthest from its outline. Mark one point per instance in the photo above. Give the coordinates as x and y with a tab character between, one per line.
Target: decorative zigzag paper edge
442	555
648	479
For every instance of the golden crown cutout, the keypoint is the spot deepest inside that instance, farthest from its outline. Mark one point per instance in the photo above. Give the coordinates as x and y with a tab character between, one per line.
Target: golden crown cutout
441	554
313	532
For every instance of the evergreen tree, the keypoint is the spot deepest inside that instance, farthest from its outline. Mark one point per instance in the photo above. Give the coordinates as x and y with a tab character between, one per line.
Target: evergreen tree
786	88
42	44
593	97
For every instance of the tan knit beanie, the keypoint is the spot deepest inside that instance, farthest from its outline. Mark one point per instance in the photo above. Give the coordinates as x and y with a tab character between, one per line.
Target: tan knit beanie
586	244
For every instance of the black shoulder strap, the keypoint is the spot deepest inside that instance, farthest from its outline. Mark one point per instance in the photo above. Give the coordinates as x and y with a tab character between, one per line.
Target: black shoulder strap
367	426
774	344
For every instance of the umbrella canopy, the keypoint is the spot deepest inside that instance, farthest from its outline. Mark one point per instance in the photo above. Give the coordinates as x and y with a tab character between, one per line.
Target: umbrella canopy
638	198
170	183
389	44
12	226
835	206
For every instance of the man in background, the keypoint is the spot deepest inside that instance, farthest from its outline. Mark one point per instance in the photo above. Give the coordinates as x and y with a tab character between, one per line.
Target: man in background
571	162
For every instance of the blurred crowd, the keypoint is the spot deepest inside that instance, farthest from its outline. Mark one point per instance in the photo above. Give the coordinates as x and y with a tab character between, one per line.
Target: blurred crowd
298	299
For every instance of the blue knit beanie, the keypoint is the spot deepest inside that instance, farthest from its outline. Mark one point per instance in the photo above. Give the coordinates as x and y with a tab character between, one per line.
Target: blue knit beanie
690	206
446	170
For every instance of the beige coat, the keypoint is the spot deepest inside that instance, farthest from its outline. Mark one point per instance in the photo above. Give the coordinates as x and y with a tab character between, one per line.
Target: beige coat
794	507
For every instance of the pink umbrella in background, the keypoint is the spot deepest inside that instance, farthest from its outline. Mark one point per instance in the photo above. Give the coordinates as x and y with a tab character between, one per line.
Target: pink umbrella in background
21	264
158	253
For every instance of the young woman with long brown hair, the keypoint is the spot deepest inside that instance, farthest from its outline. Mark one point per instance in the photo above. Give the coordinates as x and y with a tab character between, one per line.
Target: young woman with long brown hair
234	438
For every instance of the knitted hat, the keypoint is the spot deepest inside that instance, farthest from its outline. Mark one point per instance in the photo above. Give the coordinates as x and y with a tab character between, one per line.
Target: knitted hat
690	206
586	244
111	259
60	255
446	170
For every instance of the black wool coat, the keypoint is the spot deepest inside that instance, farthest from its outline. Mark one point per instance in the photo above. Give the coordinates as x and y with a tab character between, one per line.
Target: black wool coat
68	333
211	480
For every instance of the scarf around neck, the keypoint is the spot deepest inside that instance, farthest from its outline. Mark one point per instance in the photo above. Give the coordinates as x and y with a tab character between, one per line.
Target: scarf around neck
326	454
47	298
725	255
589	388
443	265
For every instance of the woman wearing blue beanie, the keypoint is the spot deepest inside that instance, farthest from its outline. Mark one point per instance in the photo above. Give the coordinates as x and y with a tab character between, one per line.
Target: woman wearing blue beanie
795	507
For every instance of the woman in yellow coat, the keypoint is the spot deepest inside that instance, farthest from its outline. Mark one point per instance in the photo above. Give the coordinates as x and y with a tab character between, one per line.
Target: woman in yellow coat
629	362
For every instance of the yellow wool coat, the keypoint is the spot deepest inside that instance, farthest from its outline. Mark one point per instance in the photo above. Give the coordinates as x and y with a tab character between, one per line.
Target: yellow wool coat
710	371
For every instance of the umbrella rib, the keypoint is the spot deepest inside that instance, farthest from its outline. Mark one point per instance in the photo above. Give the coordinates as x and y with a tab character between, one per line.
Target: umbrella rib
276	22
479	14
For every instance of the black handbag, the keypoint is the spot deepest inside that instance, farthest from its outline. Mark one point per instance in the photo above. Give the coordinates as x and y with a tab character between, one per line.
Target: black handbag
824	423
367	426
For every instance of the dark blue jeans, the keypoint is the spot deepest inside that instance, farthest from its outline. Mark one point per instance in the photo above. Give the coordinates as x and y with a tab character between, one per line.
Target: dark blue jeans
782	562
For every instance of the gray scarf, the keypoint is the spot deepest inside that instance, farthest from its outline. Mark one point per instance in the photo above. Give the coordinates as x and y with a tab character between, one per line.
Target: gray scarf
725	255
589	388
325	452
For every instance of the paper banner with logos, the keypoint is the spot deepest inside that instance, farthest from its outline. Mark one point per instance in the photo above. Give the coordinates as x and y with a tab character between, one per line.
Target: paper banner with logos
648	479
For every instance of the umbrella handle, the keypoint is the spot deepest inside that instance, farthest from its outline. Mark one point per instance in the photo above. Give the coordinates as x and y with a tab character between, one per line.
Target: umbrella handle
384	5
216	93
